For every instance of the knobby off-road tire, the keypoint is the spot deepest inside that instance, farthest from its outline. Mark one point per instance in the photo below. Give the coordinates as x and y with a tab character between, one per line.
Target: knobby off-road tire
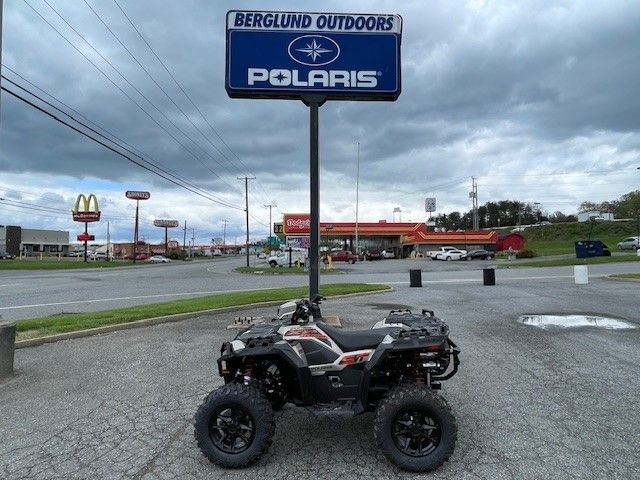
433	418
234	426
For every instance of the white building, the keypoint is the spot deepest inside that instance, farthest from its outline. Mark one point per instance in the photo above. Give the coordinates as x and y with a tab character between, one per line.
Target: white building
595	215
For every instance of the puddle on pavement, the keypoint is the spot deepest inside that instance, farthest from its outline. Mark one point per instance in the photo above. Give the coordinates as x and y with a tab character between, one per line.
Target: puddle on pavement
575	321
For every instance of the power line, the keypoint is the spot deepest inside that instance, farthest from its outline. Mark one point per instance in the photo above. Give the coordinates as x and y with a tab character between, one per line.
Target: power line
41	207
166	69
153	164
118	86
114	150
152	78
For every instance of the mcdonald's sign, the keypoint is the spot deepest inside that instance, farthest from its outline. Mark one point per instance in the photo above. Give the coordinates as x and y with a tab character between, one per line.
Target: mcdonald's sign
82	211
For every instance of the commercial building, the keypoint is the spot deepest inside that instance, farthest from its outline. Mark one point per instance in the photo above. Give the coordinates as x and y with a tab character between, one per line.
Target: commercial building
29	241
402	238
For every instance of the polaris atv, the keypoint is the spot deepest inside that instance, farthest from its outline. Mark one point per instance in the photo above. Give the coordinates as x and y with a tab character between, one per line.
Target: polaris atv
393	369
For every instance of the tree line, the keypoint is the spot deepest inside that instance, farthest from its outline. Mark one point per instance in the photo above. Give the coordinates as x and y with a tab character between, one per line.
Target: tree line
511	212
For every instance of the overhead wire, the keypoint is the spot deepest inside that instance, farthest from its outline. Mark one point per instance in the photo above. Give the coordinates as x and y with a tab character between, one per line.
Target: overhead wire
187	96
118	86
114	150
152	78
93	130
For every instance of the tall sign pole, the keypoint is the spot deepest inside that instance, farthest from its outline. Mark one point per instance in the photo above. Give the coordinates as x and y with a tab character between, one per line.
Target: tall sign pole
137	196
314	103
84	213
313	57
135	232
166	224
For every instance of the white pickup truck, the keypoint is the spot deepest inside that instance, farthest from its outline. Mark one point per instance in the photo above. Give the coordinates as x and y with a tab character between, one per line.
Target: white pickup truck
281	259
435	254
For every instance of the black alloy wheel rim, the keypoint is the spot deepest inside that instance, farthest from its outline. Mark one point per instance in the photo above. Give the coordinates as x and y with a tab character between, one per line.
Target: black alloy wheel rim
415	433
232	429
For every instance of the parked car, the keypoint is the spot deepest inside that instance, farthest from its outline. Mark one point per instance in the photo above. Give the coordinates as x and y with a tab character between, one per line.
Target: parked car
6	256
98	256
448	255
479	254
434	253
629	243
139	256
342	256
388	254
158	259
373	255
216	252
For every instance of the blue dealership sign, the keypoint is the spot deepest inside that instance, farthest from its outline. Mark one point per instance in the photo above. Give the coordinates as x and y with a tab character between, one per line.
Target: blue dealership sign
291	55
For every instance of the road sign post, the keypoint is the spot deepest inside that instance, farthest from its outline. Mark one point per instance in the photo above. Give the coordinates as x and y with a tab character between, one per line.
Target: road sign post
137	196
313	57
82	212
166	224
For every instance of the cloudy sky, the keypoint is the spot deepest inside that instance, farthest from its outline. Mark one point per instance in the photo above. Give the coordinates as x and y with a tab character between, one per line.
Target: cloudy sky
539	100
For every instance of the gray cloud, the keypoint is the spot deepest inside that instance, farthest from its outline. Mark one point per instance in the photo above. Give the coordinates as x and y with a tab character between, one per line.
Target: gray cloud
489	89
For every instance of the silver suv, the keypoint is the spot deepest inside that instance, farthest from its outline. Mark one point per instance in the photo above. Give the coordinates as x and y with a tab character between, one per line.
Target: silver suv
629	242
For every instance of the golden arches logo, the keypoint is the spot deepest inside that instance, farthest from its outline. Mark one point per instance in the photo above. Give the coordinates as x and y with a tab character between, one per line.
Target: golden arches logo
86	214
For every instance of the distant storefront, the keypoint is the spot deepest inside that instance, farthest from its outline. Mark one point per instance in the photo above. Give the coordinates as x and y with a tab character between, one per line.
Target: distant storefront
29	241
401	238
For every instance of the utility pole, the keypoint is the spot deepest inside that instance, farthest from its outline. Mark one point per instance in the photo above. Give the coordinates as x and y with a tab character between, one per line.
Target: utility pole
246	209
108	239
193	240
184	238
224	233
270	206
357	194
474	197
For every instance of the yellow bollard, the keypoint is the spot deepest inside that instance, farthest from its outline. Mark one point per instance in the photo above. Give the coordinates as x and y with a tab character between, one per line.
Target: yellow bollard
330	262
40	256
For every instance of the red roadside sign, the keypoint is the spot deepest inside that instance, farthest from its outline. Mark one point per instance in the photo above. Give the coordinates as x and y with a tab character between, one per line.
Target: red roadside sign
85	237
297	224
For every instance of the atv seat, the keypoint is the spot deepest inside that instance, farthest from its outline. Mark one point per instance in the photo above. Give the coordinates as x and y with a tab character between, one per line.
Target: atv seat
352	340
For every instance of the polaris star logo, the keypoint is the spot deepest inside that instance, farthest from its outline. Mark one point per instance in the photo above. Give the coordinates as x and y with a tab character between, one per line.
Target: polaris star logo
314	50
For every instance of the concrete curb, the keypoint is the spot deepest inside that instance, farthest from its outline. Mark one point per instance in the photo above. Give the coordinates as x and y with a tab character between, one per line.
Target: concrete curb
35	342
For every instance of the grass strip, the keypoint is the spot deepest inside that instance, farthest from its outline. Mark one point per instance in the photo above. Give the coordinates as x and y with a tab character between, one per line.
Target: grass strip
64	264
628	276
563	262
40	327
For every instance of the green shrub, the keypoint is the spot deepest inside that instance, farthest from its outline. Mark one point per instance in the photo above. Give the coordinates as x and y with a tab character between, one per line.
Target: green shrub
526	253
177	255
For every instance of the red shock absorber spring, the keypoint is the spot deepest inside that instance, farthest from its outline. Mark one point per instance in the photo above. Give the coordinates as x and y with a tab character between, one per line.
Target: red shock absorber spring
416	373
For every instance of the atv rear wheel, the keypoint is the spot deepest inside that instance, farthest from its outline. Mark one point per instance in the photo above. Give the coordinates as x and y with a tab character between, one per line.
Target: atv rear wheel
234	425
415	428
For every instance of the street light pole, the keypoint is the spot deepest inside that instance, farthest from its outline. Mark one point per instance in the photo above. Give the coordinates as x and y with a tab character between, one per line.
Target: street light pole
357	252
270	206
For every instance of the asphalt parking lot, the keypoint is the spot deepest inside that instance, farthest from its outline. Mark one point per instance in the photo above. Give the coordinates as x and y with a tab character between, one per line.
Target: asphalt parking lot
530	403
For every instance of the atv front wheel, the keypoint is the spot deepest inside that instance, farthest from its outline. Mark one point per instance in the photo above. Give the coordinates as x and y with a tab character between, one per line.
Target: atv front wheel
234	425
415	428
